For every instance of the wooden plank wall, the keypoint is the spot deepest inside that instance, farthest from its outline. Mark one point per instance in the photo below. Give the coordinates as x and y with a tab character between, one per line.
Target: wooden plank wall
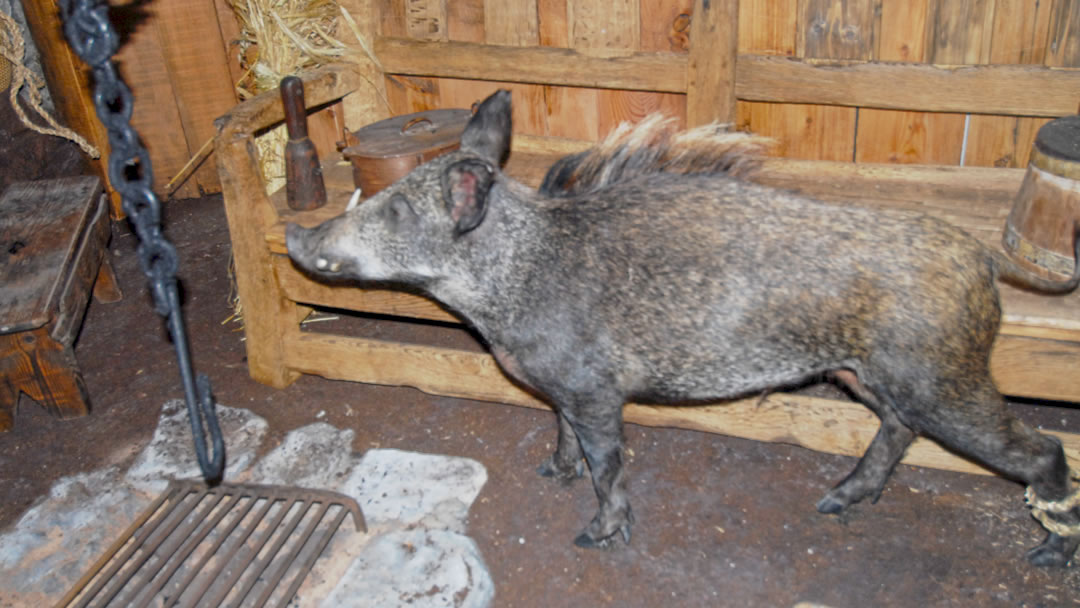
179	62
175	59
946	32
596	26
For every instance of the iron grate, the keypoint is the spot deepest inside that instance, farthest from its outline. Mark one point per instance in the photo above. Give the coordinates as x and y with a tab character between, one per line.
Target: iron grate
230	545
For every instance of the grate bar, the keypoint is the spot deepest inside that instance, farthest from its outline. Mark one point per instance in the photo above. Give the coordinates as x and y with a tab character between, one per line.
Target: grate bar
283	565
315	553
189	546
175	530
109	553
109	575
253	552
159	536
259	565
227	559
212	551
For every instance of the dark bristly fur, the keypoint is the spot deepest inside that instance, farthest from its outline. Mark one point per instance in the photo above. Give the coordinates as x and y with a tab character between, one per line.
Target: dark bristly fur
652	146
647	269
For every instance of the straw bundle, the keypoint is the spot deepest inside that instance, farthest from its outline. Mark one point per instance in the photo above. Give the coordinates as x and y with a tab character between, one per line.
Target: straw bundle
279	38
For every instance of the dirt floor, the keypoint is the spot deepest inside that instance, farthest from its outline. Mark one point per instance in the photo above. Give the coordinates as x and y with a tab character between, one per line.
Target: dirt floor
719	521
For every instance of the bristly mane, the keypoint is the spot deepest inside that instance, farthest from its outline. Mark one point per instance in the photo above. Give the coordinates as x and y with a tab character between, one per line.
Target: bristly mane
653	146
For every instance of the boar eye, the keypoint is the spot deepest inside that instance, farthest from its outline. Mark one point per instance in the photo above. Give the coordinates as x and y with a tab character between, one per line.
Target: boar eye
399	211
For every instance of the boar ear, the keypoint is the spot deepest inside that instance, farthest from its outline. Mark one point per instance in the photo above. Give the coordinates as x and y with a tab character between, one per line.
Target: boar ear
488	131
465	186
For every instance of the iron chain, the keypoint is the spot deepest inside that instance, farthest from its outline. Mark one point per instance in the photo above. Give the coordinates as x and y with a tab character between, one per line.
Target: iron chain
91	35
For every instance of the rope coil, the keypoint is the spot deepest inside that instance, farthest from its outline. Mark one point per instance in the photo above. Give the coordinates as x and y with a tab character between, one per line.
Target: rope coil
1043	509
12	48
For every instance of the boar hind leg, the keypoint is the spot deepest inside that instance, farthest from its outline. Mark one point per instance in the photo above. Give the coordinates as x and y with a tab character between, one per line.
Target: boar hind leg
881	457
981	427
599	432
566	463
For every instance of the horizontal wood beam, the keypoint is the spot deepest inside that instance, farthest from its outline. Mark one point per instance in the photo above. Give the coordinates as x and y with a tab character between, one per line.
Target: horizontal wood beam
1015	90
321	85
824	425
665	72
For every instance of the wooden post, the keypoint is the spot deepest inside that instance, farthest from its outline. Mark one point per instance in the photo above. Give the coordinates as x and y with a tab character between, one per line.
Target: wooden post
270	317
69	82
710	70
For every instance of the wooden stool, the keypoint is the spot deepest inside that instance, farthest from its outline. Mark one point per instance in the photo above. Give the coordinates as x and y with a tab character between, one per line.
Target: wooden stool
52	249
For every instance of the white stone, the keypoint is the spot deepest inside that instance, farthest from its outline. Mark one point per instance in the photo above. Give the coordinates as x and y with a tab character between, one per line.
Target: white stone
54	542
403	489
416	568
171	452
314	456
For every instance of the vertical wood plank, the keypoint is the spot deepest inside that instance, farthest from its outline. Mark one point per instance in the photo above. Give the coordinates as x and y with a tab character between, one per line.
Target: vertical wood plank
156	114
665	25
632	106
392	18
959	31
827	29
367	104
836	30
1063	47
230	34
812	29
710	70
408	94
465	23
570	111
801	130
516	23
573	112
465	20
425	19
898	136
552	26
199	72
768	27
1020	32
605	24
422	19
510	22
604	27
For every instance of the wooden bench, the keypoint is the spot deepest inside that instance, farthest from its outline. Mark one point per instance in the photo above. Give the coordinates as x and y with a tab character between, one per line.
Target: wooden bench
1036	356
53	235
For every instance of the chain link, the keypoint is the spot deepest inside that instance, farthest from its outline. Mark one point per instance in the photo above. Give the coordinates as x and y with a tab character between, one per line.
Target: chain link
91	35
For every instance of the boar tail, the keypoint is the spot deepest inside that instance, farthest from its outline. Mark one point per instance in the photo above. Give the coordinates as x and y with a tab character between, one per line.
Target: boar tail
1011	272
653	146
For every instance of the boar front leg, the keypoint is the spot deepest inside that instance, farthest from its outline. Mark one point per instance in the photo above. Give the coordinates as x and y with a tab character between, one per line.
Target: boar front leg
566	463
598	427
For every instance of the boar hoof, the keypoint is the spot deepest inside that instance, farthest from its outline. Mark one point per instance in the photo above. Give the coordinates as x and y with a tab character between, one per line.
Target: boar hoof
831	505
564	473
1054	552
843	496
586	541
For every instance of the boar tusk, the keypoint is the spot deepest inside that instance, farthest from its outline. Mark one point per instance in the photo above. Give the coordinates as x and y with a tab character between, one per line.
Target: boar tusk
354	200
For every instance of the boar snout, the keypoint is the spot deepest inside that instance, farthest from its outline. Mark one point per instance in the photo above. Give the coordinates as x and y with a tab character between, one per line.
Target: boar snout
303	246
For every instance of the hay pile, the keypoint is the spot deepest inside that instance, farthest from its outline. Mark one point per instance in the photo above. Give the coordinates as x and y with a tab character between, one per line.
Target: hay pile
282	37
